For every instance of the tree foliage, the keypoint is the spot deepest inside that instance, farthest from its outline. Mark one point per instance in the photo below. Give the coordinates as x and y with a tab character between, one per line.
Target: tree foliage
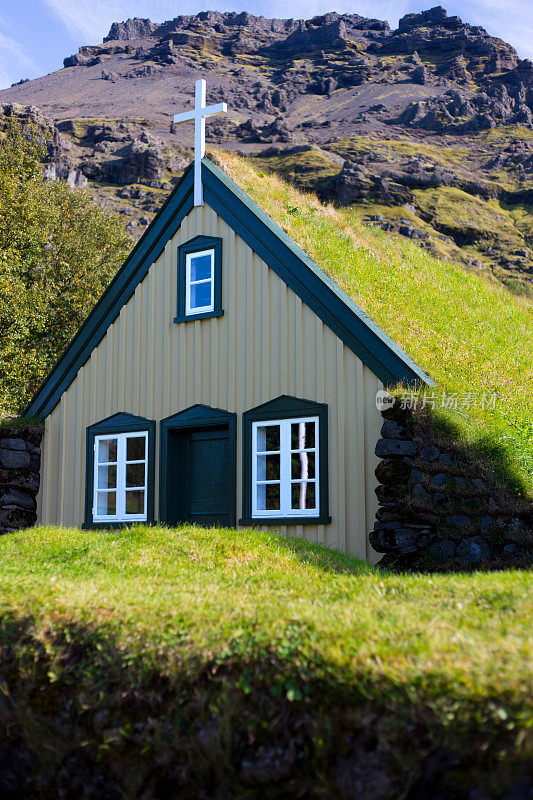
58	252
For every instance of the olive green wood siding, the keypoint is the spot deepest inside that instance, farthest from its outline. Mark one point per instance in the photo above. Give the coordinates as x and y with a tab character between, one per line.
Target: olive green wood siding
267	343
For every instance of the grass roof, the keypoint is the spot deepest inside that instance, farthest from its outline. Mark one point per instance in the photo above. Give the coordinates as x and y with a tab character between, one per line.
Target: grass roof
469	333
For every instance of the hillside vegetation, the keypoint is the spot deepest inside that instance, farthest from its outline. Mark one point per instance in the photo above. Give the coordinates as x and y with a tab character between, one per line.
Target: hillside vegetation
152	662
58	252
469	334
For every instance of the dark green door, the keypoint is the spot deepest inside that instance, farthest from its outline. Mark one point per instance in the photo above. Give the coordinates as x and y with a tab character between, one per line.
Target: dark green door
198	477
207	480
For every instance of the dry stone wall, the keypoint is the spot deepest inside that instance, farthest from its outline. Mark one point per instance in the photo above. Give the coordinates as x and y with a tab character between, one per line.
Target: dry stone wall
20	462
436	507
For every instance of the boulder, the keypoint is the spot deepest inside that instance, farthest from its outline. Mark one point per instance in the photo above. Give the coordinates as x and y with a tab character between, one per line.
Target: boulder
15	498
459	521
393	430
395	447
474	550
14	459
443	550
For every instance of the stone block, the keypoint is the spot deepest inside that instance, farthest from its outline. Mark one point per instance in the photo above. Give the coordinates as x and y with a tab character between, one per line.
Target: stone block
385	448
417	475
439	481
20	479
14	459
395	540
419	493
394	470
17	498
458	521
486	523
429	454
474	550
443	550
446	458
393	430
396	412
35	461
13	443
15	519
388	493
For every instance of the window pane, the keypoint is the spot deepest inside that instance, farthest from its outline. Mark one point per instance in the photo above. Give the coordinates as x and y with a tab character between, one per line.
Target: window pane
268	468
200	268
107	450
303	496
268	495
302	466
134	474
267	437
135	446
107	477
302	435
106	504
200	295
135	502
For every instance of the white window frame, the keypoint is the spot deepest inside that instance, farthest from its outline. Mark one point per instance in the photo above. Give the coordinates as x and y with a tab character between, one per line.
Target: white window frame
285	511
120	515
188	283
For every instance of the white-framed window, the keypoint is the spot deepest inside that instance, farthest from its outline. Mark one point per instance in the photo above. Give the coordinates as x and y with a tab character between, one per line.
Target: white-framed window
285	468
200	282
120	477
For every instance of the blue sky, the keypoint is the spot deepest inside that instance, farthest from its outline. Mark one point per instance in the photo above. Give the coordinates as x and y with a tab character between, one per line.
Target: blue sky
35	35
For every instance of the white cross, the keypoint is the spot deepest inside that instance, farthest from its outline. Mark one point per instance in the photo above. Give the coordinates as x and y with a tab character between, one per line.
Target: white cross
198	117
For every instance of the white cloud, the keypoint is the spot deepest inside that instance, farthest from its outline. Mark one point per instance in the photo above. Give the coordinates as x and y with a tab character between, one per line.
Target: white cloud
14	59
93	20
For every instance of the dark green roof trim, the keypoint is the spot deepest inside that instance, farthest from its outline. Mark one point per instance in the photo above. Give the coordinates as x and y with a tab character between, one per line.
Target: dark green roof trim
314	287
134	270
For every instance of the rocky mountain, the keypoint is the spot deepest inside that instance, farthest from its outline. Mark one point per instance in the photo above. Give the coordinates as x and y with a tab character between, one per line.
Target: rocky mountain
426	130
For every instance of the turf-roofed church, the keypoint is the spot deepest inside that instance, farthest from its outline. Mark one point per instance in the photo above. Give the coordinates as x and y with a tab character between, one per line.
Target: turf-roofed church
222	379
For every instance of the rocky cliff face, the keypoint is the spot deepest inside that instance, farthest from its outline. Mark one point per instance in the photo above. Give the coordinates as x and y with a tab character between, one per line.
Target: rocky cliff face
428	126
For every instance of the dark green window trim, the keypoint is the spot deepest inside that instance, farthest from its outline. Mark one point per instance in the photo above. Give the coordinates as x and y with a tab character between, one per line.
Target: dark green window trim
119	423
194	246
197	416
285	407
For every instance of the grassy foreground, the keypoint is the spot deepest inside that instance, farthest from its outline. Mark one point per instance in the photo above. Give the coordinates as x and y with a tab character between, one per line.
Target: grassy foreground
159	663
472	336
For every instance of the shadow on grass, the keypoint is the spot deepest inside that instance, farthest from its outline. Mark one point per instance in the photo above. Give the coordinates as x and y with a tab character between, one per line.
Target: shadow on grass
493	461
81	716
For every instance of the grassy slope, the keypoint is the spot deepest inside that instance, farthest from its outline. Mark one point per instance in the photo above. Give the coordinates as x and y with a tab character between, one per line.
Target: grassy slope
500	229
275	640
468	334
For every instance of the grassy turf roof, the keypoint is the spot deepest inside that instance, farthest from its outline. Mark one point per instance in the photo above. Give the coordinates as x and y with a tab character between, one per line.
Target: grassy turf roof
471	335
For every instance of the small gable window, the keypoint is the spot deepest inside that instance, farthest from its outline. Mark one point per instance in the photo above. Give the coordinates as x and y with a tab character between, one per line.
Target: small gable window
199	279
199	289
120	465
286	473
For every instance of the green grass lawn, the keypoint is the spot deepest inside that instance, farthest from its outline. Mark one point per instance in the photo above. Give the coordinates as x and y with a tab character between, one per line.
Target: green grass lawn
470	335
121	649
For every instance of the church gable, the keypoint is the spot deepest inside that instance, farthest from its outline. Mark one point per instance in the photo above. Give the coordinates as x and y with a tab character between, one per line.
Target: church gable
319	292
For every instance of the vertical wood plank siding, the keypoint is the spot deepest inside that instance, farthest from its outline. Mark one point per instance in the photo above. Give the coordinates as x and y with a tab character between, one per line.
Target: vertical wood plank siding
267	343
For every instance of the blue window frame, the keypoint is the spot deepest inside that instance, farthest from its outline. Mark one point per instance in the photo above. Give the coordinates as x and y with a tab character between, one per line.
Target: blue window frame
199	279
